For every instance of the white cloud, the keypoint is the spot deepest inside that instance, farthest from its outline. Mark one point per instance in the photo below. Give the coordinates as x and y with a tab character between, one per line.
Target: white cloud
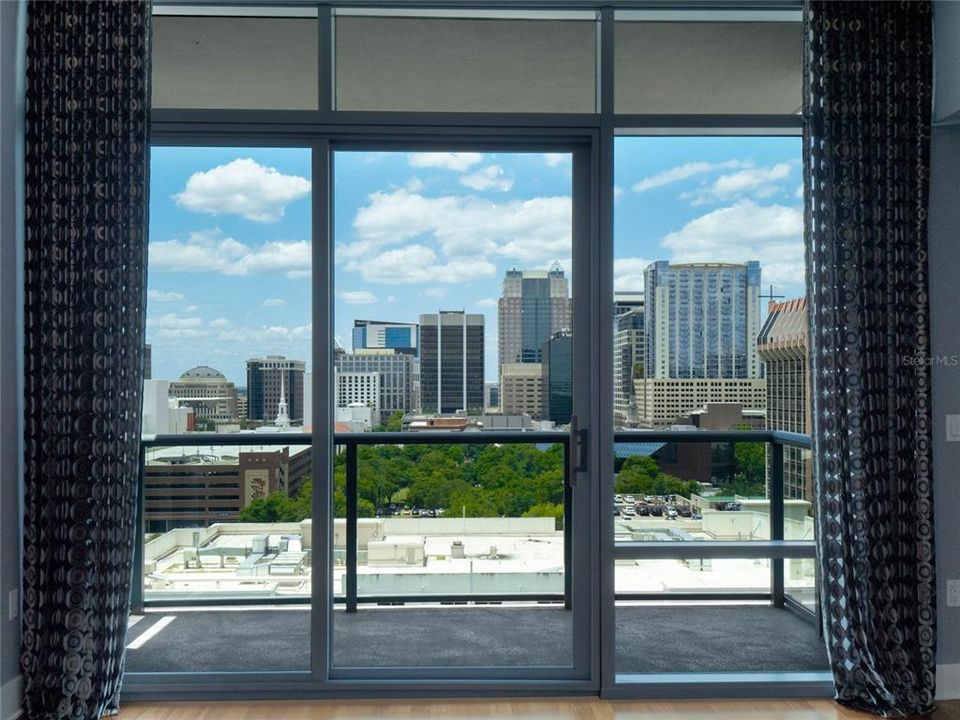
171	328
486	302
628	273
419	264
172	320
391	298
274	302
266	335
684	172
242	187
772	234
191	308
212	251
434	292
555	159
446	160
799	192
617	192
162	296
414	184
488	178
219	323
357	297
526	231
762	182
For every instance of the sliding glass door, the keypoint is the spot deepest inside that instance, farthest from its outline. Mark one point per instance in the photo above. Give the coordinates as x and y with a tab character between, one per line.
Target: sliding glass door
458	412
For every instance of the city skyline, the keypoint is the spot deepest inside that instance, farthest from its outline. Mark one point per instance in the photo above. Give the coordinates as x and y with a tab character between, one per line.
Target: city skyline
230	231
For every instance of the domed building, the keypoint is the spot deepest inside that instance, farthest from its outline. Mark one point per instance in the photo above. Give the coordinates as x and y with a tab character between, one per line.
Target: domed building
206	390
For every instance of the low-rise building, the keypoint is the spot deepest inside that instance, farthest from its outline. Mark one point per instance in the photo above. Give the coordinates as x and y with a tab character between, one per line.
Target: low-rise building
521	390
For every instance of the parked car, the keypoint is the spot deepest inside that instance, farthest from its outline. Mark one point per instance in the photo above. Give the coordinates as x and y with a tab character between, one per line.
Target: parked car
643	510
629	499
656	510
629	512
684	511
671	514
618	499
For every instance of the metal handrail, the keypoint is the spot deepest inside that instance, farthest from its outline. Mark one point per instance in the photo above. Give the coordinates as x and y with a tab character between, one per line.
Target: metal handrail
435	437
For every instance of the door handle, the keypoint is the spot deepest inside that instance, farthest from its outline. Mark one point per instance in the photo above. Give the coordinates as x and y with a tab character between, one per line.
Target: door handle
577	448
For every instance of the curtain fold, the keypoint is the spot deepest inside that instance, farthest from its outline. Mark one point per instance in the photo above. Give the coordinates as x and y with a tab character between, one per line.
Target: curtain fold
85	194
868	86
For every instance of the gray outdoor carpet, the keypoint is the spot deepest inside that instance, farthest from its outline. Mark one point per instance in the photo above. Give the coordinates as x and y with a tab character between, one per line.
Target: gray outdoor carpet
701	638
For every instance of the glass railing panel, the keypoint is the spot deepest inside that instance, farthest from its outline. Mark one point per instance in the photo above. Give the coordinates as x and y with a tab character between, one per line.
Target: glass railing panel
712	616
681	491
460	550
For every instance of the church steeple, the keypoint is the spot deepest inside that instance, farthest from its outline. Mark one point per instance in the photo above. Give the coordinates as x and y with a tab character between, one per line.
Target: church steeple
283	418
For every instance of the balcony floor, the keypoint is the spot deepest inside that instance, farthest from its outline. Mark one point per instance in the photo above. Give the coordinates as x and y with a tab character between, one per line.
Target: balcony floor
650	638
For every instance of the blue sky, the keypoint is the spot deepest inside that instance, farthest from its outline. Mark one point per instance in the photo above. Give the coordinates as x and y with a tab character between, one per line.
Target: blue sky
230	229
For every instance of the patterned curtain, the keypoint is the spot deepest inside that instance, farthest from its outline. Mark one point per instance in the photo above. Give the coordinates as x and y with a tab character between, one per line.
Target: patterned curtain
867	107
86	152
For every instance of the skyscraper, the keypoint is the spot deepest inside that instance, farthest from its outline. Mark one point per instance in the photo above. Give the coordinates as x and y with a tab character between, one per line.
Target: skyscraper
782	345
265	376
558	378
702	320
534	305
451	362
379	335
629	361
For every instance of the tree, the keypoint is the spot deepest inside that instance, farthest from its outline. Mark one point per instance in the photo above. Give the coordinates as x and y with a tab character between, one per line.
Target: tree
395	422
554	510
640	475
278	507
750	469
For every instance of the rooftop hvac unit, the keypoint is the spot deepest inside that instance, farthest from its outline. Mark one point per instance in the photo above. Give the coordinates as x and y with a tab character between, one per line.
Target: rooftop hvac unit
456	550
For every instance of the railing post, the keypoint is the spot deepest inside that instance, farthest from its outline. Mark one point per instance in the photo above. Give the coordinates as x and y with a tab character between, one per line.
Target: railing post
136	579
351	492
567	532
776	521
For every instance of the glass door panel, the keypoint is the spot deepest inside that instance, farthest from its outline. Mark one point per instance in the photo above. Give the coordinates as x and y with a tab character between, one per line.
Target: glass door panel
453	369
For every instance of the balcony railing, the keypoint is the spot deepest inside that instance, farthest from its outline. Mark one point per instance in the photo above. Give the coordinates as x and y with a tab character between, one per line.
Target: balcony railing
776	548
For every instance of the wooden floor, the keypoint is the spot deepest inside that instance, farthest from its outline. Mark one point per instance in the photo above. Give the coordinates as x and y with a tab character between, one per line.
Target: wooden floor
567	709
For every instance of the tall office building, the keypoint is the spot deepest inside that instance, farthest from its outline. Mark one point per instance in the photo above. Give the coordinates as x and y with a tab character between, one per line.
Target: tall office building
212	397
629	359
451	362
782	345
534	305
702	320
382	335
395	378
265	376
557	373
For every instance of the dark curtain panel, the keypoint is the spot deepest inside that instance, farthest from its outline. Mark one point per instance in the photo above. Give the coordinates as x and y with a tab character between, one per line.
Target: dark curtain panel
87	100
867	106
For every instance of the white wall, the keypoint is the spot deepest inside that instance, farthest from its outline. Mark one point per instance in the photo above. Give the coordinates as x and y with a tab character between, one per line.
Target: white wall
946	60
944	227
